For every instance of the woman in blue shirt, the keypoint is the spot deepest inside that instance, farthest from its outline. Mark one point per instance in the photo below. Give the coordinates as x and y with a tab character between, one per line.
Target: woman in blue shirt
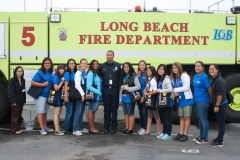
58	81
41	103
69	104
202	96
181	83
93	77
129	83
142	67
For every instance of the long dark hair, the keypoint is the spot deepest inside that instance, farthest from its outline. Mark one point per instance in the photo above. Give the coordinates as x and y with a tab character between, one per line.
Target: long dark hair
165	72
15	73
91	68
69	69
42	65
60	66
122	73
154	72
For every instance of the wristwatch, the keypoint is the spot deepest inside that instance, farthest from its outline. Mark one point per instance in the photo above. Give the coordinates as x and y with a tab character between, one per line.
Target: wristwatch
217	106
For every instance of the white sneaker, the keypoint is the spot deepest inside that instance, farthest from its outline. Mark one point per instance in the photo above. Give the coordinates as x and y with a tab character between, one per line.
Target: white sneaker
140	130
143	132
84	130
77	133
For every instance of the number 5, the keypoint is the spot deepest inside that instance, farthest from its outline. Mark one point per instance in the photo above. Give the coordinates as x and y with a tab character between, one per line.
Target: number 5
26	34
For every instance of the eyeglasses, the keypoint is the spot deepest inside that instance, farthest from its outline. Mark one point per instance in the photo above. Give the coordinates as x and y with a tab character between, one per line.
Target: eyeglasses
19	71
71	63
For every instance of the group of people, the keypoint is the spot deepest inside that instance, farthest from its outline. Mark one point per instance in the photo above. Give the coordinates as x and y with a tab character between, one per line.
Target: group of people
112	82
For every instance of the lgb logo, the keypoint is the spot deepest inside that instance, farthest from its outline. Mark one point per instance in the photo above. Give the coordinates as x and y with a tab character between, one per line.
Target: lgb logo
221	34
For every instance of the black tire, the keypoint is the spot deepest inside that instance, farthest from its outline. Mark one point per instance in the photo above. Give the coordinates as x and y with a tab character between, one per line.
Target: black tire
232	81
4	102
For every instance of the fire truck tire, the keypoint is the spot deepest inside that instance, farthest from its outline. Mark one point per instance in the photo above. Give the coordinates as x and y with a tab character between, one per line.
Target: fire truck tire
233	110
4	101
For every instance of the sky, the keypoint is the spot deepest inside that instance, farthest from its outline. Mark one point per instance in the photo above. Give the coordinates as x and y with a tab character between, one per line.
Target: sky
40	5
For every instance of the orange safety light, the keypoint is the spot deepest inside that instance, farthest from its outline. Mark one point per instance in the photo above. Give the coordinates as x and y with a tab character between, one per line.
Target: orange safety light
138	9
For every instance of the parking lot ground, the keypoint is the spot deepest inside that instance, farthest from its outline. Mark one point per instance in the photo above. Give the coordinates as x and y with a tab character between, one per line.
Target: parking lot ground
30	145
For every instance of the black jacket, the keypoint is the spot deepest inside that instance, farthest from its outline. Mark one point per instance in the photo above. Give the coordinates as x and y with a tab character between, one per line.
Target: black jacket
130	82
219	88
17	92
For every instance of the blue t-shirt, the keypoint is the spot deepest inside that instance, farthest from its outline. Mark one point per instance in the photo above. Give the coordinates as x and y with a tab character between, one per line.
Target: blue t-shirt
47	77
201	84
182	102
159	86
69	77
125	97
84	78
142	80
57	80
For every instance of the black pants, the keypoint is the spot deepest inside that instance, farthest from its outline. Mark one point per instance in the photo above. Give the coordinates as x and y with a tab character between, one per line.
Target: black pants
16	117
165	114
110	102
220	116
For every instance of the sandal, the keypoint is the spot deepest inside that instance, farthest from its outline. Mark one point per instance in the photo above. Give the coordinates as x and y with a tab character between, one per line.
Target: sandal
18	132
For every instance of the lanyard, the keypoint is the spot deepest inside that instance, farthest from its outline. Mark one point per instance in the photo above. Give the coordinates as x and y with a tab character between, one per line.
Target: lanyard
177	82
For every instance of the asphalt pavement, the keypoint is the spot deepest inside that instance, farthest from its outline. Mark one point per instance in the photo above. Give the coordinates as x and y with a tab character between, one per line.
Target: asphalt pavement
31	145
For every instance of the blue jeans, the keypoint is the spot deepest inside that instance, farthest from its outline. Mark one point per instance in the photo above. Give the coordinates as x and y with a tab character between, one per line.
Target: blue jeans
70	108
201	110
128	108
143	114
78	115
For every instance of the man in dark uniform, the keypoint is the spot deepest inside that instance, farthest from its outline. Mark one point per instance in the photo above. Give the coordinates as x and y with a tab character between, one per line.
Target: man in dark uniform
110	71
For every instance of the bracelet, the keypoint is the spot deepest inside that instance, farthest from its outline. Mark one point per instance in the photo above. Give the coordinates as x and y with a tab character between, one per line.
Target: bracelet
217	106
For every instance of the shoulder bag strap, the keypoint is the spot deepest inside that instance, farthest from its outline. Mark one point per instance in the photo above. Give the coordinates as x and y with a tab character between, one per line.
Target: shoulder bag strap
41	77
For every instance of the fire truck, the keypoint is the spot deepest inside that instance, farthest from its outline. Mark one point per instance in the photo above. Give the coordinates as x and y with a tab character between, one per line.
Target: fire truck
155	36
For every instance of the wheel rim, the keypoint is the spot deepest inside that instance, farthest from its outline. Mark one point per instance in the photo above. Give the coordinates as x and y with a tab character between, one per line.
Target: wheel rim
236	101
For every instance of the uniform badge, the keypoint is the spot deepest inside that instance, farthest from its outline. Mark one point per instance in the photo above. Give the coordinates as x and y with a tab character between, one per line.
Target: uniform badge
116	68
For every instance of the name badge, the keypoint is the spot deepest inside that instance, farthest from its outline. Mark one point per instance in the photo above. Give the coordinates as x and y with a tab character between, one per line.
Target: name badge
23	90
110	81
116	68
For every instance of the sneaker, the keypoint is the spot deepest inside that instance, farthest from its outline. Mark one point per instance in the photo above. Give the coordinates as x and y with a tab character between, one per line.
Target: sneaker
140	130
202	141
84	130
127	132
197	139
183	138
59	133
216	144
177	137
160	135
43	131
215	139
166	137
48	129
124	130
78	133
142	133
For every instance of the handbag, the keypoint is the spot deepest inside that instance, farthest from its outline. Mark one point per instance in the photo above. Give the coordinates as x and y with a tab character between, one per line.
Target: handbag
53	96
150	100
135	96
175	104
91	96
34	91
163	100
73	92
